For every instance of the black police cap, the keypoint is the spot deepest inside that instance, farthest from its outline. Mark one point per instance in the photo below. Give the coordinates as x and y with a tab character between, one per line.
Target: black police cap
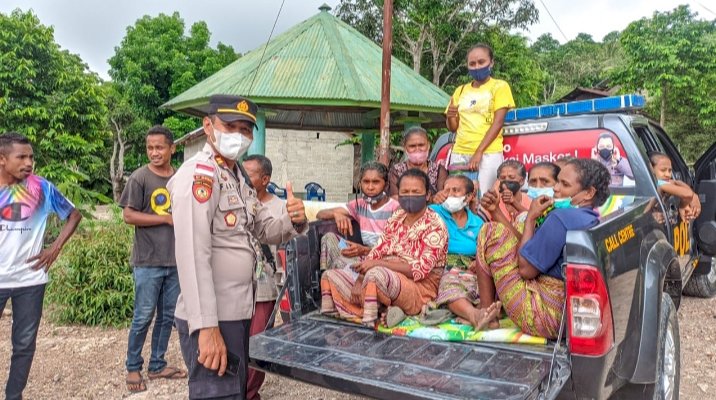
232	108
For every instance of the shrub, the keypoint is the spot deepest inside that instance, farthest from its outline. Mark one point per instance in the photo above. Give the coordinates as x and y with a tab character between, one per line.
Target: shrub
91	282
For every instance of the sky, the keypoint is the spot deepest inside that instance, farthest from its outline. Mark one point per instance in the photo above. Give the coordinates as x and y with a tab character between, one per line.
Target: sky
92	28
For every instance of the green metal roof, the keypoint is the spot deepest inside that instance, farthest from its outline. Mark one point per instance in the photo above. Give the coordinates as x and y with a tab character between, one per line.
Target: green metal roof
321	62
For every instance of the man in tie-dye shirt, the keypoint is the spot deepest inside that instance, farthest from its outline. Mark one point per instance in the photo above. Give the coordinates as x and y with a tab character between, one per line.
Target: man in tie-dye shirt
26	200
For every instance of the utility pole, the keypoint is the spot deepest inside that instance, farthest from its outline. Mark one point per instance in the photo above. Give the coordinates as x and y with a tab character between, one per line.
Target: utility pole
384	148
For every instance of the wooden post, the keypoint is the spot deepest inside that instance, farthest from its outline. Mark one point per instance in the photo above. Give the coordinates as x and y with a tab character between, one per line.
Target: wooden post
384	149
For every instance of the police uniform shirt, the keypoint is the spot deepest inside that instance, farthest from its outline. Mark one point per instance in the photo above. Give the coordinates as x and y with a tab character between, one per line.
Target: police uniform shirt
214	213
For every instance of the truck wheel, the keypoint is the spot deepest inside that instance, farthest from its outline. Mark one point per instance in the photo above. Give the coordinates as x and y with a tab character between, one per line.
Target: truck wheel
702	285
668	364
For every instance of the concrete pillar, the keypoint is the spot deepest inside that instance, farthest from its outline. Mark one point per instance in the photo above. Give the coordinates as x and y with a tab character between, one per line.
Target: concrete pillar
367	150
258	146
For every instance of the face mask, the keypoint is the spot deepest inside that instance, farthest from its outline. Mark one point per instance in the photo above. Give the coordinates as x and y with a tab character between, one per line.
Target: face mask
535	192
373	199
480	74
418	157
661	182
606	154
512	186
412	204
454	204
231	145
565	202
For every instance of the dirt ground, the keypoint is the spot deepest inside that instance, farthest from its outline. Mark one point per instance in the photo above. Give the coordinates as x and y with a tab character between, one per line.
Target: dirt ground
88	363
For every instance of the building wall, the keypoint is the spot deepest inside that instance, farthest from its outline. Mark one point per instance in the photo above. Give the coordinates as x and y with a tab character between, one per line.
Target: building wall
301	157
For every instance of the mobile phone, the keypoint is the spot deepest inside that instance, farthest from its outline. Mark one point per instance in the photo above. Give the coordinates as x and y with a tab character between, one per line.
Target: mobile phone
342	244
233	364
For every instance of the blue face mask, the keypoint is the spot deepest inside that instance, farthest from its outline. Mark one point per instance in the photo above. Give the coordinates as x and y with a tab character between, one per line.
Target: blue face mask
480	74
661	182
535	192
565	202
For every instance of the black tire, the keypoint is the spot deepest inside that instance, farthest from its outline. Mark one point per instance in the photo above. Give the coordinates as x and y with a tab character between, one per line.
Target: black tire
668	363
703	285
668	336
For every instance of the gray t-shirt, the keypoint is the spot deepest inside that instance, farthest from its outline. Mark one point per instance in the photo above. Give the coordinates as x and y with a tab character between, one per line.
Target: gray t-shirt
146	192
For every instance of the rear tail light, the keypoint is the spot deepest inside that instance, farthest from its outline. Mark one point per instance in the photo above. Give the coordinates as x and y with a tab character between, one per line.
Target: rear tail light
589	314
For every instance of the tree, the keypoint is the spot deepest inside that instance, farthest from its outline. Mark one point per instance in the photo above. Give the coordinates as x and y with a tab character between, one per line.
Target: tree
440	28
671	51
157	61
515	63
127	129
50	96
579	62
670	57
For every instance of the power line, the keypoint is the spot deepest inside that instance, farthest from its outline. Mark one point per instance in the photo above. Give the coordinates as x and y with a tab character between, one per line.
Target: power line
265	47
704	7
554	20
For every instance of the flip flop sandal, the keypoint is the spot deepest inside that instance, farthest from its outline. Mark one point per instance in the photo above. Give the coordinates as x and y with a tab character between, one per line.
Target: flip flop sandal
139	383
174	373
394	316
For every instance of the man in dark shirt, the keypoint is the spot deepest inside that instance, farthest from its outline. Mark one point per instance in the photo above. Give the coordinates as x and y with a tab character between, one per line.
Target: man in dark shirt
608	155
146	205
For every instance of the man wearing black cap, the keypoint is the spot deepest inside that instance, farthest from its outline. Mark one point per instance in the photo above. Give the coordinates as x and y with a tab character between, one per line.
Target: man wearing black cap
218	222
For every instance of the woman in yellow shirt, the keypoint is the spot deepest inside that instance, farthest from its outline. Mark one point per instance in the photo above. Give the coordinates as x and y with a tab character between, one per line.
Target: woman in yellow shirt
476	113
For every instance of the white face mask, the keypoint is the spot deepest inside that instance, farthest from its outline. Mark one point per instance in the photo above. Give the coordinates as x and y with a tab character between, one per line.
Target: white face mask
454	204
231	145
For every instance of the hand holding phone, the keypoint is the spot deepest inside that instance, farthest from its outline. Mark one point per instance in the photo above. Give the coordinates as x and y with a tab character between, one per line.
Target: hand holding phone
342	244
233	364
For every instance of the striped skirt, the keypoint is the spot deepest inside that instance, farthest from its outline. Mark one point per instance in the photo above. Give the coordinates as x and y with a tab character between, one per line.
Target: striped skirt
534	305
360	300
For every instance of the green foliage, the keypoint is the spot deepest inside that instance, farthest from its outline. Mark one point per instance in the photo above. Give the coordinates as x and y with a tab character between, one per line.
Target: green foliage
579	62
157	61
91	283
670	56
515	63
50	96
434	35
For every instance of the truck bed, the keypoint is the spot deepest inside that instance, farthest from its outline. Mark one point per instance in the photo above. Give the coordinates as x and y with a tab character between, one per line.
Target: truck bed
354	359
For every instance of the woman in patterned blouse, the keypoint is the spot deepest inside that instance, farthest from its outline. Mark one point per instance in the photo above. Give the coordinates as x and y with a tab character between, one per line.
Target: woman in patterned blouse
417	148
402	270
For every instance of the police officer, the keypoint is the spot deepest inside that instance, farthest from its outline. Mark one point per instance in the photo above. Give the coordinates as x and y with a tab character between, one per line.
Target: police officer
215	213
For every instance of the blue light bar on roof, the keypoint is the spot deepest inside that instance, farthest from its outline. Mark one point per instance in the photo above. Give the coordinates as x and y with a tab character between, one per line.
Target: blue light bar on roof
606	104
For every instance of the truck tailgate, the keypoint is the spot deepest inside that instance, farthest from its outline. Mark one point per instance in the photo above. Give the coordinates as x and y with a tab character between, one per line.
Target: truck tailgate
357	360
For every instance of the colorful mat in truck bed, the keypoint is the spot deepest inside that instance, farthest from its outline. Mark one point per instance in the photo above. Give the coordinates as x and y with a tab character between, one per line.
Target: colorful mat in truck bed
453	331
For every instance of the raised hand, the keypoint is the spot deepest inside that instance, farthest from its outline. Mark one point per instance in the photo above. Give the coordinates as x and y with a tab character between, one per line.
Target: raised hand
294	206
538	206
440	197
452	111
490	201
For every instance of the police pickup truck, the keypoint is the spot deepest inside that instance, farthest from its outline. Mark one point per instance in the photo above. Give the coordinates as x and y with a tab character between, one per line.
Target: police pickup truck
631	270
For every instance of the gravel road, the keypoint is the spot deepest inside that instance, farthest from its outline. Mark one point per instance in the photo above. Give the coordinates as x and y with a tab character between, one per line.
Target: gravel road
88	363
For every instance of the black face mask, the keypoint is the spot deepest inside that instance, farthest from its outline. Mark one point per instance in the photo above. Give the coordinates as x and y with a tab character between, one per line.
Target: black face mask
412	204
606	154
373	199
512	186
